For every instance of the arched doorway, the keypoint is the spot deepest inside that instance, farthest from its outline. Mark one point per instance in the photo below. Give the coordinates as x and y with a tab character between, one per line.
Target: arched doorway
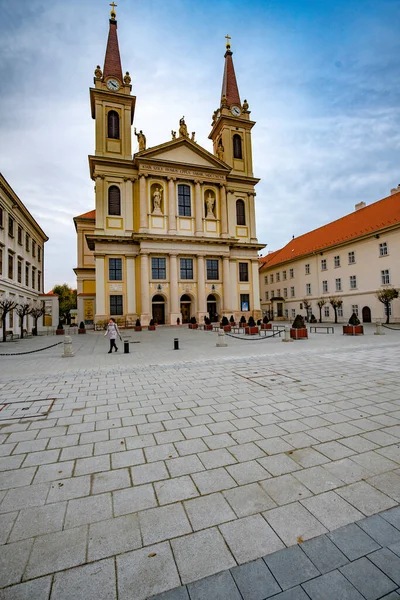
186	302
158	309
212	308
366	314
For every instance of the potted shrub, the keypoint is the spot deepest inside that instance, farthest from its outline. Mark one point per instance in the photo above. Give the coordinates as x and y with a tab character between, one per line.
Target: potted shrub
265	323
207	324
193	323
60	329
225	324
232	321
298	330
138	325
82	328
251	328
353	327
152	325
313	319
242	321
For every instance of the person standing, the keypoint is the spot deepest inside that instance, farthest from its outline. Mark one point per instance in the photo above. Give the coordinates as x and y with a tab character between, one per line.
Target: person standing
112	332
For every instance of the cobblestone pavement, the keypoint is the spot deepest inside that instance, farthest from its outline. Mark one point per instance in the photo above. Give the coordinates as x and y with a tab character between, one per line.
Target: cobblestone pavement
124	476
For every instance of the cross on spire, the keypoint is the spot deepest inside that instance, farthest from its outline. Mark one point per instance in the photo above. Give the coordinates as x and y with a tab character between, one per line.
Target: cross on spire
113	14
228	41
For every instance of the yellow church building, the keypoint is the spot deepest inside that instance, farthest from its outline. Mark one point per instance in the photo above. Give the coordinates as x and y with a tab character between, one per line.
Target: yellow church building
173	234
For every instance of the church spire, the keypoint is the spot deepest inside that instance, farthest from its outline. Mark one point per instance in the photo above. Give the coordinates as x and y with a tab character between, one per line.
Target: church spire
112	60
230	92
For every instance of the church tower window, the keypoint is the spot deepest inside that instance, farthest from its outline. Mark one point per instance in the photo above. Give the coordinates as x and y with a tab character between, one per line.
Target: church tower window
184	202
240	213
237	146
114	201
113	125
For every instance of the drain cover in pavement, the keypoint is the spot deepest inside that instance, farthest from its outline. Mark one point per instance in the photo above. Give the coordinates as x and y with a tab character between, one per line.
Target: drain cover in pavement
30	409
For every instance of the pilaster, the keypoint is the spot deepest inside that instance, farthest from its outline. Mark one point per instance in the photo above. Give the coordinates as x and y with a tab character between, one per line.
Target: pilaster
224	212
174	292
100	287
171	205
144	289
130	285
198	209
143	204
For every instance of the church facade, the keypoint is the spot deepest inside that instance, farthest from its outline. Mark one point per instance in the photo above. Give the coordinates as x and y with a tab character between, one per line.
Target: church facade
173	233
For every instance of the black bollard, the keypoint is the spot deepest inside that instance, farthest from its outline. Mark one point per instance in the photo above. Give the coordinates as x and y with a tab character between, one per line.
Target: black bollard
176	343
126	347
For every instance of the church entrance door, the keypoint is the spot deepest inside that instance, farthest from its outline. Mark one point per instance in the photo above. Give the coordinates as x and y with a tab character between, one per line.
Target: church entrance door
366	314
185	308
158	309
212	308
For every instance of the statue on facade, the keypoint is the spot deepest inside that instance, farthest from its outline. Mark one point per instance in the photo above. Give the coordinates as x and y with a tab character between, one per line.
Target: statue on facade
210	202
220	151
183	132
127	78
173	134
141	140
193	136
98	73
245	106
224	101
157	202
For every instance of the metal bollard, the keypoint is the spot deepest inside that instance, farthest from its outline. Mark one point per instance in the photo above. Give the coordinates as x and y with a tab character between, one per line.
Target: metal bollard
221	343
126	346
67	347
176	343
287	337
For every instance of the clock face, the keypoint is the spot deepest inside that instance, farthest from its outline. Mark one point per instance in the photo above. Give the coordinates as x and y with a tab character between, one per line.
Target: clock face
236	111
113	85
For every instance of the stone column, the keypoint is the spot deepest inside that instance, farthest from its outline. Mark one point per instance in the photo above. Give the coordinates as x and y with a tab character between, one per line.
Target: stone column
100	202
201	289
234	290
227	287
130	286
171	205
224	212
143	203
198	209
144	289
256	290
101	312
231	212
175	312
252	216
128	203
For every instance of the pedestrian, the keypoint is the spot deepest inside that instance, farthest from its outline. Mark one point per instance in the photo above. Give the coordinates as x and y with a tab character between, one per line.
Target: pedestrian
112	332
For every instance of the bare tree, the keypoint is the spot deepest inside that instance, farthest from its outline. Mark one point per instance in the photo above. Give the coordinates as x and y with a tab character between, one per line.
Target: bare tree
386	295
23	309
7	305
320	303
37	310
336	303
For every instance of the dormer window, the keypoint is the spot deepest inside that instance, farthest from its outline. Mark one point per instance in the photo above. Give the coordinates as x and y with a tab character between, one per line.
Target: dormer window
113	125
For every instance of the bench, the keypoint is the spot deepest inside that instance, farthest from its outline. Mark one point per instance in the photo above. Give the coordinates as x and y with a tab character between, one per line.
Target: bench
278	327
327	328
269	332
9	334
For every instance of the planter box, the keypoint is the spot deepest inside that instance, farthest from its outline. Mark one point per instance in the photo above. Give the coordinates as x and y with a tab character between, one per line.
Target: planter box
208	327
193	325
151	327
81	330
266	325
138	328
60	332
251	330
298	334
227	328
353	330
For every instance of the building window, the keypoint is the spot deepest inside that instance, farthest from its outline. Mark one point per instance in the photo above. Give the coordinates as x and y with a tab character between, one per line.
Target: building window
10	226
271	279
39	279
212	269
1	217
266	279
186	268
285	292
39	254
113	125
10	266
292	292
11	319
336	261
323	264
308	289
307	269
33	277
115	269
19	270
284	275
353	282
340	311
33	248
293	313
184	202
286	313
278	277
278	293
354	309
243	272
390	310
326	311
352	258
1	262
116	306
325	286
237	146
383	249
27	275
291	273
338	283
158	268
272	294
114	201
240	213
266	295
27	242
244	302
19	235
385	277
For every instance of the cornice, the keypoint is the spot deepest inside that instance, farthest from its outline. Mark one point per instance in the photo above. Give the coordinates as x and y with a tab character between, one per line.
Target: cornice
112	97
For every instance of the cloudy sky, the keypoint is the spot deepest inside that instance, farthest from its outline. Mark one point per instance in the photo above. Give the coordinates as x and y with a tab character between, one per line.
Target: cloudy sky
321	77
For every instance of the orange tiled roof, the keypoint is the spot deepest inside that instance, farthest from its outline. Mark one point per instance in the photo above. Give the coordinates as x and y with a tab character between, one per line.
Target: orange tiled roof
229	83
88	215
369	219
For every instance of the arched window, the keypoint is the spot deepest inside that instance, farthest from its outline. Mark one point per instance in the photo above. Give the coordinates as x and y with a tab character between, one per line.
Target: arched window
113	125
114	201
237	146
240	213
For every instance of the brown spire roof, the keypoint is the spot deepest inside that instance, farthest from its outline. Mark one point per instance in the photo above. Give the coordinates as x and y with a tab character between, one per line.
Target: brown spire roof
229	84
112	61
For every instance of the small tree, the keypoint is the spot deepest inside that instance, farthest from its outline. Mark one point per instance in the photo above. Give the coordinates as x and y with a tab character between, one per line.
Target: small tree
306	305
66	301
320	303
22	310
7	305
298	323
354	320
37	310
386	296
336	303
224	321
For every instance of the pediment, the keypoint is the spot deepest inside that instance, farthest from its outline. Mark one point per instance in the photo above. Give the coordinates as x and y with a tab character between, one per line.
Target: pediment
183	151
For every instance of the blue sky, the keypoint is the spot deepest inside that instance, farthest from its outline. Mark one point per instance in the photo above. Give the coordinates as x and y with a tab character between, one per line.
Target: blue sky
321	77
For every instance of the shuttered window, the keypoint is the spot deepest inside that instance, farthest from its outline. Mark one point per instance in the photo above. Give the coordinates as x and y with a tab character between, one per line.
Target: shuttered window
240	213
114	201
237	146
113	125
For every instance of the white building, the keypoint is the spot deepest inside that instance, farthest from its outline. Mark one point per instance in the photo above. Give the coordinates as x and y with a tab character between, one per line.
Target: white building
350	258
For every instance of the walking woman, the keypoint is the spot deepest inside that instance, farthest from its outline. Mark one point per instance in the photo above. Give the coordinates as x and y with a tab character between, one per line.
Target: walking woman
112	332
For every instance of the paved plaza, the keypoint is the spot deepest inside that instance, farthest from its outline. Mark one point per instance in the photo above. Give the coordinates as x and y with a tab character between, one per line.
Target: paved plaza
257	470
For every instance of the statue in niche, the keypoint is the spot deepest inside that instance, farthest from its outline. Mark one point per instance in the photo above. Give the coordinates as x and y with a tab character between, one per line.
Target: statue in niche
210	203
157	201
220	151
173	134
183	132
141	140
